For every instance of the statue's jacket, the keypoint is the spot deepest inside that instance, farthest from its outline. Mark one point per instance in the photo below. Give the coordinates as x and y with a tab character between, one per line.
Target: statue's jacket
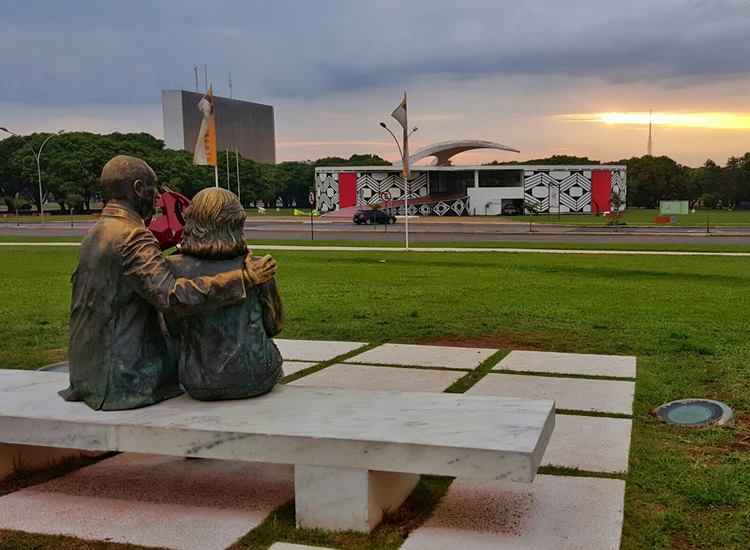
119	356
226	353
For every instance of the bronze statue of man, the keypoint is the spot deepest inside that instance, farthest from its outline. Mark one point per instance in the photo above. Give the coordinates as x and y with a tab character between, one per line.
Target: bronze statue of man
119	357
226	353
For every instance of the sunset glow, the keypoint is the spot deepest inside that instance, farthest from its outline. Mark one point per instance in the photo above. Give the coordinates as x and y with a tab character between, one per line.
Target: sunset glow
716	121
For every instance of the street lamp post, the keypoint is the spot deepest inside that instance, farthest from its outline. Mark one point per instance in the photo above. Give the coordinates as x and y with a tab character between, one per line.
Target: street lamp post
37	156
406	182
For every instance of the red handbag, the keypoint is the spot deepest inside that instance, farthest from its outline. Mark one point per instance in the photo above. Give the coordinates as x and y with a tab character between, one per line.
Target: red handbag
167	227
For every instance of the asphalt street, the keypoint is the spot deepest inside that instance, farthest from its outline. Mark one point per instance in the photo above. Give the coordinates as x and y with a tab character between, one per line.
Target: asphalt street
436	231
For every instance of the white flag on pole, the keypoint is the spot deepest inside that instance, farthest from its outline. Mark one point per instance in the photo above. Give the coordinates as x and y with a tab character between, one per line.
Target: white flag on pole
205	146
400	113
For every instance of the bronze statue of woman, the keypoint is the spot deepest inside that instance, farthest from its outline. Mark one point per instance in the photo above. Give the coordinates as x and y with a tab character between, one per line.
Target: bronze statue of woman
226	353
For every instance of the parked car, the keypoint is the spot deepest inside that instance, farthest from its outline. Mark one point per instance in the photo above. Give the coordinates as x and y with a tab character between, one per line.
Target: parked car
368	216
511	209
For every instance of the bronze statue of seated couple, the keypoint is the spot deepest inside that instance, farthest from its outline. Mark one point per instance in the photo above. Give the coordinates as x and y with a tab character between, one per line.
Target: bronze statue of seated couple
144	327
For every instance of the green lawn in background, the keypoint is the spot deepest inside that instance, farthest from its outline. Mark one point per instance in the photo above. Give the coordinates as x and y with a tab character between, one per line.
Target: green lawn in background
645	216
685	318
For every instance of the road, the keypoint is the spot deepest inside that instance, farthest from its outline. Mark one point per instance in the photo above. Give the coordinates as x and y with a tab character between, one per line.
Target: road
423	231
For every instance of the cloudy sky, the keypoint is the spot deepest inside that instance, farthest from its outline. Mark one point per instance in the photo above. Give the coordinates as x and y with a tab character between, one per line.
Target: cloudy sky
543	77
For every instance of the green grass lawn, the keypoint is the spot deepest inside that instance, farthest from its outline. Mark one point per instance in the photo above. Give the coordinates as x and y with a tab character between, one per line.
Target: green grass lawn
714	243
644	216
685	318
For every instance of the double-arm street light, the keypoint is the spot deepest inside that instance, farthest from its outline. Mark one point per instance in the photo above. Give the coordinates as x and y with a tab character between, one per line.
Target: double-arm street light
37	156
405	163
400	151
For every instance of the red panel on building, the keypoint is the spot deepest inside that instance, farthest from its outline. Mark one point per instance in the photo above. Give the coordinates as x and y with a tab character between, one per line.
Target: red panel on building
601	191
347	189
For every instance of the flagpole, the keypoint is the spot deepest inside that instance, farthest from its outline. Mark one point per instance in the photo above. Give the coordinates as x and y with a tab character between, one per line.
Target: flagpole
406	170
228	169
237	160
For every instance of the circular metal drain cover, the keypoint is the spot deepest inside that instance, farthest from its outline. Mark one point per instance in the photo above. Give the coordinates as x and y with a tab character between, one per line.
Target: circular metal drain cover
695	413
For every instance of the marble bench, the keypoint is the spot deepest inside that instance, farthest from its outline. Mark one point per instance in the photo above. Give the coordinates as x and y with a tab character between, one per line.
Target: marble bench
356	454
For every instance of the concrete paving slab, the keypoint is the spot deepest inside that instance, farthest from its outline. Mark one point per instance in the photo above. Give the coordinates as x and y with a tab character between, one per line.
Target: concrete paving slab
589	443
364	377
424	356
553	513
607	396
314	350
153	501
293	367
621	366
290	546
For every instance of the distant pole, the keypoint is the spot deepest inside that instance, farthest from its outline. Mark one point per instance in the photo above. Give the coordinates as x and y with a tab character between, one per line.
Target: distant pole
312	210
195	70
205	75
237	170
230	84
650	135
216	174
37	156
227	169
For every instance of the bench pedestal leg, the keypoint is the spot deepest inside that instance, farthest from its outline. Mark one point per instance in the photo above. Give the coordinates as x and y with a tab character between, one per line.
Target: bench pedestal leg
30	458
347	499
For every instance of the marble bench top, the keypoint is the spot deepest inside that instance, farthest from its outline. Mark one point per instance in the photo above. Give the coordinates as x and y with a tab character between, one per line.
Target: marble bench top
480	437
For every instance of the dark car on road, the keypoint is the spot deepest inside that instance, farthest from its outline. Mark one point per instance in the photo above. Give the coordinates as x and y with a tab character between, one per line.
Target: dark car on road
368	216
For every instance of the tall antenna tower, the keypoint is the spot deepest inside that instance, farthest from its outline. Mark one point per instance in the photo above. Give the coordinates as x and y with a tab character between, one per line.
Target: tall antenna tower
195	70
230	84
650	135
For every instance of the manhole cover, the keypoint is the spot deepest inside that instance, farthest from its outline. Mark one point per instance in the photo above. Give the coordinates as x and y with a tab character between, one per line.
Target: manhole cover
695	413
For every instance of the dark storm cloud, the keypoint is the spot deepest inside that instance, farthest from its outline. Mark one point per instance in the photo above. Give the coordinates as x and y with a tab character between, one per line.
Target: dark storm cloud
124	52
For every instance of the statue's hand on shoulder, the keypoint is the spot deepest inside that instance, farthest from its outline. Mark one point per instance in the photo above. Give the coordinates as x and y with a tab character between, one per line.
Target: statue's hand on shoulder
260	270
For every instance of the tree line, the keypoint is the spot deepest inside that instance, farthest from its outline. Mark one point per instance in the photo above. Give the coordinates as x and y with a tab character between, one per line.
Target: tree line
651	179
71	164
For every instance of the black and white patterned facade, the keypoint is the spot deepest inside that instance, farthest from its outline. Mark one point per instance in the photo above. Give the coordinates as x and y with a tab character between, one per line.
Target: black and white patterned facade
547	188
452	207
326	191
570	189
619	186
371	186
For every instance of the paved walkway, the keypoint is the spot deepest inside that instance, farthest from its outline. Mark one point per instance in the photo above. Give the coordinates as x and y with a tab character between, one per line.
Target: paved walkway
207	504
313	248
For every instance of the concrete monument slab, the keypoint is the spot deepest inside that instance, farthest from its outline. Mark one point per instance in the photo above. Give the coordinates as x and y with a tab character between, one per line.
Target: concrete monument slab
153	501
607	396
560	513
360	434
363	377
421	432
314	350
620	366
590	443
424	356
347	499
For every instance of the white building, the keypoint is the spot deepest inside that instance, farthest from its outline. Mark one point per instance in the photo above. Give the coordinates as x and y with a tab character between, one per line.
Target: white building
446	190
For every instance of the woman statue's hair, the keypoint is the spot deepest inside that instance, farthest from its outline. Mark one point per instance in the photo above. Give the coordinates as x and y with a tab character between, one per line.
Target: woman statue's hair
214	224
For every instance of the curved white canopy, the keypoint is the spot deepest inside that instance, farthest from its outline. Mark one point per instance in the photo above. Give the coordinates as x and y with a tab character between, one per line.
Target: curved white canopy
445	150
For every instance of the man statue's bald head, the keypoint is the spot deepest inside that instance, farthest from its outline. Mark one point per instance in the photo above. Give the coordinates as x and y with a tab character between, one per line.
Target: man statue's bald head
130	180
